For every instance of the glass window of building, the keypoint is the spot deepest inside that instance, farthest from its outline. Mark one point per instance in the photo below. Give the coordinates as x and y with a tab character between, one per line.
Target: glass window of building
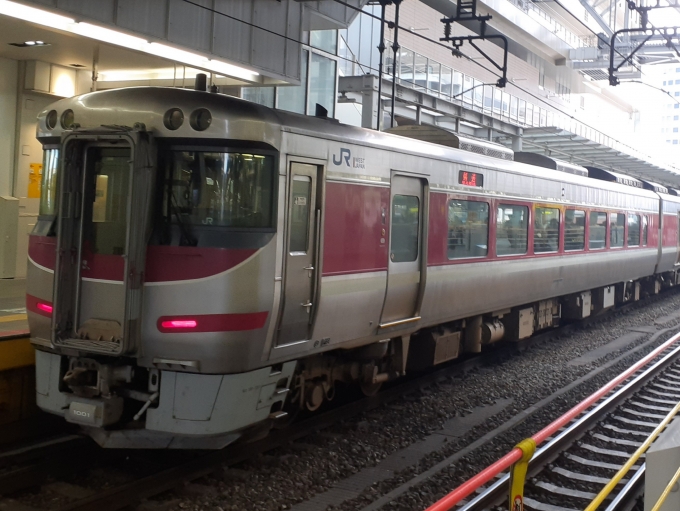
497	95
513	107
261	95
512	229
322	87
446	82
457	87
293	98
433	78
406	62
530	114
522	111
505	105
468	229
467	89
488	98
326	40
478	93
421	72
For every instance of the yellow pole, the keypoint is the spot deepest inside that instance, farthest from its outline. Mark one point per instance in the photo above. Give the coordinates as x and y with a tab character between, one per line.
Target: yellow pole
665	493
636	455
518	475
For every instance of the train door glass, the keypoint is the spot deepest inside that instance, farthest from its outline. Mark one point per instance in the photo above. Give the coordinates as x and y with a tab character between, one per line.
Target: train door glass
103	235
403	272
300	254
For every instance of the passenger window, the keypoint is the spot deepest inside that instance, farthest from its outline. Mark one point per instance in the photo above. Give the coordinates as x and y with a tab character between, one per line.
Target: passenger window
405	227
574	229
546	230
633	230
617	222
512	225
468	229
299	214
644	230
598	230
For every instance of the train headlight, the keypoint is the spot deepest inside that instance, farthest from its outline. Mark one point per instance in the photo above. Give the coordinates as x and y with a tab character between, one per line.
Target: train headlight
173	119
201	119
67	119
51	119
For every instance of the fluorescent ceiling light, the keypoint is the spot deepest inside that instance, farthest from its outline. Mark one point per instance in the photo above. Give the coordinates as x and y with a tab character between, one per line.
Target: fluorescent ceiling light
116	38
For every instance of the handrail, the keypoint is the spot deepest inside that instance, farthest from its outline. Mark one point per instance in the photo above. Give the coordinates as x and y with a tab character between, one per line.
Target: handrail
504	463
667	490
631	461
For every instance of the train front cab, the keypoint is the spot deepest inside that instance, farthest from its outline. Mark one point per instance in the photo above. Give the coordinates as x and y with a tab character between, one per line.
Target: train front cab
148	314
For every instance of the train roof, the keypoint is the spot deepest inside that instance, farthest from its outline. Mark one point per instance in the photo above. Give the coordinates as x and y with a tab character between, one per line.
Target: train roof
237	119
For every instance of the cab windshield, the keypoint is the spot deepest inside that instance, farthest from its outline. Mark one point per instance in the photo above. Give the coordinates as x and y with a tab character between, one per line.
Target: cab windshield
211	188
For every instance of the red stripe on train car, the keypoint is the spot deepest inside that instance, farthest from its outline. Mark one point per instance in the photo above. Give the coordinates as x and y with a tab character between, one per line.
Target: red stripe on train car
212	322
166	264
163	263
39	306
43	250
356	228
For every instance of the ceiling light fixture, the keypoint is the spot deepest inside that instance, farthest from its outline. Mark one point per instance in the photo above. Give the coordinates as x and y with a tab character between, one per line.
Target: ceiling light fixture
117	38
28	44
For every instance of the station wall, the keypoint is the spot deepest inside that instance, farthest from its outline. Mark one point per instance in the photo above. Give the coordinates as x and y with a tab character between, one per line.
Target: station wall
8	101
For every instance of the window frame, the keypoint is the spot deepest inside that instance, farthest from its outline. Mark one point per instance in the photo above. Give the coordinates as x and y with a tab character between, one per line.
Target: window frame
610	214
560	221
606	232
484	200
230	146
529	231
585	230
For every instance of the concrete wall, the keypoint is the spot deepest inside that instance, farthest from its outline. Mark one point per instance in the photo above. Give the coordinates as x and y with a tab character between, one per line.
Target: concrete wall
8	99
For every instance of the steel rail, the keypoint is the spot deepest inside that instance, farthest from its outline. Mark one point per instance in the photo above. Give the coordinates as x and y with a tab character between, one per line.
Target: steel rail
609	487
504	463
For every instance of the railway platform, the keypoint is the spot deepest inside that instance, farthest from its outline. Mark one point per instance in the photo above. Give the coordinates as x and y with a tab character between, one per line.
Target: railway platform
17	364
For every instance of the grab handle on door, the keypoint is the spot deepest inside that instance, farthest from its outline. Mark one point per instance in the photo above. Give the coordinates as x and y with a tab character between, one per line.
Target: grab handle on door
310	267
308	305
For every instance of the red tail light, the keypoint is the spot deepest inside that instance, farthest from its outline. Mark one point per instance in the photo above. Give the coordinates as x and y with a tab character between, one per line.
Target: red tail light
180	323
45	307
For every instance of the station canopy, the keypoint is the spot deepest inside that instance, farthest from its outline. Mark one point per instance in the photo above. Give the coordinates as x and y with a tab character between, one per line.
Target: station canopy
598	151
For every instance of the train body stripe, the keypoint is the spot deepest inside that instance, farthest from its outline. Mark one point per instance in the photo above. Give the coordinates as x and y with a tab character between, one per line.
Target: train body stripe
215	322
32	305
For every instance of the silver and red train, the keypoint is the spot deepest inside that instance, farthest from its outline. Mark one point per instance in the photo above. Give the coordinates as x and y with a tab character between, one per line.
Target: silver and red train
203	266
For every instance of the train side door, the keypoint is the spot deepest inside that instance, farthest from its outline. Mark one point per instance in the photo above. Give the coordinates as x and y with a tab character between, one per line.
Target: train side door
405	272
300	254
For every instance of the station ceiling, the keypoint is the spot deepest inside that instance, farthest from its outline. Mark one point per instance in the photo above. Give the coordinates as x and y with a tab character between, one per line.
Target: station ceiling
75	51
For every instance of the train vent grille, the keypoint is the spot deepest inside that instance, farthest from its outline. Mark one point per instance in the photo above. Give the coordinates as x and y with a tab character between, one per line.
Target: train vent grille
487	151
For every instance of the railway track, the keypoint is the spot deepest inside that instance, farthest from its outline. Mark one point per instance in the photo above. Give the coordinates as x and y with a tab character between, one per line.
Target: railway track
155	472
572	468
